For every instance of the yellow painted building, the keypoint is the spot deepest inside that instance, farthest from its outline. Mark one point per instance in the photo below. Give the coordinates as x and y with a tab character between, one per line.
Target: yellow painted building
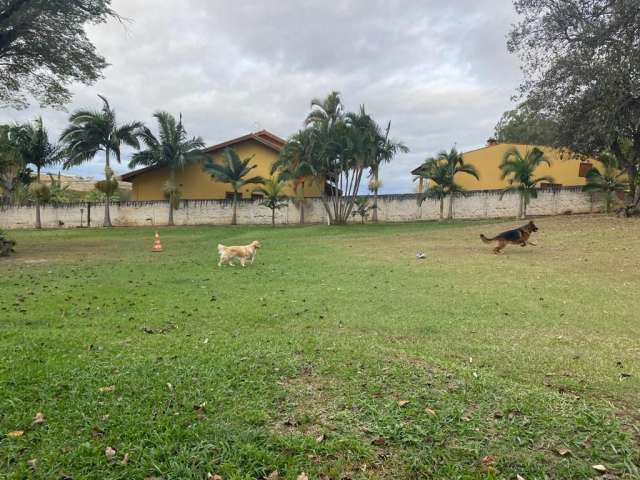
196	184
566	170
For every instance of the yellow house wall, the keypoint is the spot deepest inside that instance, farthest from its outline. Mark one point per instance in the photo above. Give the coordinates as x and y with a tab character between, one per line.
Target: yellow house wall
196	184
487	160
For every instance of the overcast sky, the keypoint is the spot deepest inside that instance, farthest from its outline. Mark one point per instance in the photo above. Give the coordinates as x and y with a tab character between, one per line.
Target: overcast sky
439	70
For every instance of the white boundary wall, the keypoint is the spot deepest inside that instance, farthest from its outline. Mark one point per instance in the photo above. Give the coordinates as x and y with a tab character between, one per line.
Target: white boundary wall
391	208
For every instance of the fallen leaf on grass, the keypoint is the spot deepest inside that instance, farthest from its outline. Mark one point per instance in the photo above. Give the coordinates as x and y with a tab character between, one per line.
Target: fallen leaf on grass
38	419
125	460
498	414
213	477
15	434
320	438
429	411
302	476
563	452
402	403
275	475
33	463
379	442
96	432
109	452
110	388
599	468
519	477
489	459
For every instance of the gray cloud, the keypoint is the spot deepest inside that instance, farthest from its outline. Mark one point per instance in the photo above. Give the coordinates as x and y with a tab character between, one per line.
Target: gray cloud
438	70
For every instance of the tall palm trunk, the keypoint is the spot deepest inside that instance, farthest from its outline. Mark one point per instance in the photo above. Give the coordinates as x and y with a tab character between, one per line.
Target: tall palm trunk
521	206
450	214
172	179
273	217
38	221
107	215
441	208
235	205
374	215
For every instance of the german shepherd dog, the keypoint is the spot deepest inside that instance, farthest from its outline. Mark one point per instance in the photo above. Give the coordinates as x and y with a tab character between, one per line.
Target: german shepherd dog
519	236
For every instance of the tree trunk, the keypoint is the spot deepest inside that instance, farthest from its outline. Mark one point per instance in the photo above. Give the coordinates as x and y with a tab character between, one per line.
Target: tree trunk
607	202
235	204
302	203
107	214
374	215
441	208
450	215
38	222
172	180
520	205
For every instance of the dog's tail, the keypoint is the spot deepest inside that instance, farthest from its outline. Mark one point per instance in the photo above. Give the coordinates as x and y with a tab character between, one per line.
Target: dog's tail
487	240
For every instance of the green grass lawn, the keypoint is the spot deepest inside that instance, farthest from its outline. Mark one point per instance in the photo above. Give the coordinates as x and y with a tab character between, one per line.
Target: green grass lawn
337	353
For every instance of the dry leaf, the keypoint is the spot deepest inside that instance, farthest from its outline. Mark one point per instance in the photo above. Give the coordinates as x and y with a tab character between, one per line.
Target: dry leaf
489	459
599	468
302	476
379	442
169	386
519	477
109	452
96	432
213	477
275	475
38	419
105	417
107	389
402	403
33	463
498	414
513	414
428	411
563	452
320	438
15	434
125	460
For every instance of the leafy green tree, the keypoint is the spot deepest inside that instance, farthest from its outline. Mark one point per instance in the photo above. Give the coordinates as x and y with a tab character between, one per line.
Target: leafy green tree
608	181
437	175
581	66
10	162
92	131
58	193
234	171
385	151
274	197
522	125
44	48
295	164
520	171
35	149
172	149
455	165
362	208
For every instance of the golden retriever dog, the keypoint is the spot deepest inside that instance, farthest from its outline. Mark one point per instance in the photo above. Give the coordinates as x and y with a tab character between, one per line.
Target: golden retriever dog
243	253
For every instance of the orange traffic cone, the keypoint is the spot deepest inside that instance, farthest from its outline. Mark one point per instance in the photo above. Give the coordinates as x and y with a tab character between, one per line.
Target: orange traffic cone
157	246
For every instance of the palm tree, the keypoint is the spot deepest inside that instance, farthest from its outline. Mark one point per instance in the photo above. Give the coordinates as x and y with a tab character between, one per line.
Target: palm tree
295	164
34	148
274	198
171	149
233	171
520	171
455	165
327	112
608	181
93	131
437	175
386	150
